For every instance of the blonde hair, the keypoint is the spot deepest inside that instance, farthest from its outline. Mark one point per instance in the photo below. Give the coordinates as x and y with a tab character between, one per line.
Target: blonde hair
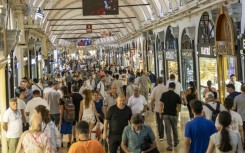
36	122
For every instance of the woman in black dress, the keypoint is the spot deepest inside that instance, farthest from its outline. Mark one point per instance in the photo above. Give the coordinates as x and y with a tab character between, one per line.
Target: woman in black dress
191	94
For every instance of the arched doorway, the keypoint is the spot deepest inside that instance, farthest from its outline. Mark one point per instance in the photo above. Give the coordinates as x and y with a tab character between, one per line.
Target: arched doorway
187	58
206	55
225	47
171	55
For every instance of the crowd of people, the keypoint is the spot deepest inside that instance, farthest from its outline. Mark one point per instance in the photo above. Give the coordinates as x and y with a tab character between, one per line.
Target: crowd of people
107	109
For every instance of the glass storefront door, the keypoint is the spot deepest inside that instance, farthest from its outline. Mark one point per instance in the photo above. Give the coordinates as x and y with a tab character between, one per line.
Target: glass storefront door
208	71
172	68
188	70
228	67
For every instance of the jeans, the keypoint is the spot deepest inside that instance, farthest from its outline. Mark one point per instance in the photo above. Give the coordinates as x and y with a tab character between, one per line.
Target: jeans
171	123
160	125
114	142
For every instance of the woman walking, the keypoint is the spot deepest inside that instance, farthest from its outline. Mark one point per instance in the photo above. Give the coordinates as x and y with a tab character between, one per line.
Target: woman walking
191	94
225	141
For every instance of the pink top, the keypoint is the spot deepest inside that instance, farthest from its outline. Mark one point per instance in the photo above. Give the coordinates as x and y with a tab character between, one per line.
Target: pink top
36	142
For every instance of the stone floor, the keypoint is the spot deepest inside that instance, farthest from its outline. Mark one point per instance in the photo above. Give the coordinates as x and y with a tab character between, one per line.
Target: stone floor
162	146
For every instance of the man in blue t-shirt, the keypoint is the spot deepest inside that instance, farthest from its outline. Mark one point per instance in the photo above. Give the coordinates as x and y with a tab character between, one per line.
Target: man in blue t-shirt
198	131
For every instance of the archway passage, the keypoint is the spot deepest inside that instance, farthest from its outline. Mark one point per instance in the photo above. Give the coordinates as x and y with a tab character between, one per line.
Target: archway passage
225	46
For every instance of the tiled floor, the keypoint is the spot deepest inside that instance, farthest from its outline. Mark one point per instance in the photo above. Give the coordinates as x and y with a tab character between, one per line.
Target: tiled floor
162	146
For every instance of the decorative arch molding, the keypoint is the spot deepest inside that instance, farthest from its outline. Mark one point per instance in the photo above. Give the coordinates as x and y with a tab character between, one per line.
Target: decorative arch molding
224	34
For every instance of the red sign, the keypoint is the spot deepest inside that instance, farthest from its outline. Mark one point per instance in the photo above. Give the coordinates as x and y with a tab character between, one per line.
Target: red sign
89	28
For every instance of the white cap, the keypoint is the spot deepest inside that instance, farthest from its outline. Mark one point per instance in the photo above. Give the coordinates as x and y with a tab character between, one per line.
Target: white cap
209	95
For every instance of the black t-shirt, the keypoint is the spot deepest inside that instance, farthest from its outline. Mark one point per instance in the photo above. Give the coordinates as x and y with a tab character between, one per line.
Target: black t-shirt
67	98
76	99
170	100
118	119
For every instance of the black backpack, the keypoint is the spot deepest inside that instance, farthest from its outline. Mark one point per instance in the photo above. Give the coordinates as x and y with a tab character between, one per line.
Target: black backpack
69	111
215	112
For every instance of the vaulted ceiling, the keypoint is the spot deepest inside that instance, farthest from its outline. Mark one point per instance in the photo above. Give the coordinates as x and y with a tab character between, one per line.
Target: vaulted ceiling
64	18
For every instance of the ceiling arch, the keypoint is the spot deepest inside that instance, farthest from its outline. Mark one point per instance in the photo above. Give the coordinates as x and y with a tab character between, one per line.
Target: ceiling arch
133	14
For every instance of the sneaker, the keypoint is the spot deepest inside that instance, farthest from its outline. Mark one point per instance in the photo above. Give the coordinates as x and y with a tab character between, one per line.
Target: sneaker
161	139
170	149
176	144
68	145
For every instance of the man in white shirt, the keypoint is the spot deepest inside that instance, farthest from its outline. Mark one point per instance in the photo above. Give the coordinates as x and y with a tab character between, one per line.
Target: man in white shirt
155	105
53	99
178	87
236	83
47	89
37	86
101	87
137	103
12	124
35	101
210	102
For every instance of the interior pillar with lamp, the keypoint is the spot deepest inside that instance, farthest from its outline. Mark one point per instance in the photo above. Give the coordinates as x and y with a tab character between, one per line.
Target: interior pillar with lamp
37	51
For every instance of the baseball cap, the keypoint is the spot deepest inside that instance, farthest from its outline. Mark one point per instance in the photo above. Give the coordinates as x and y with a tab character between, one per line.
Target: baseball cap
209	95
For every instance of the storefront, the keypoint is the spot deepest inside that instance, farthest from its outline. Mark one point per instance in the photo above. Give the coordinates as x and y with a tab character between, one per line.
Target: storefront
188	57
171	54
206	55
225	47
160	54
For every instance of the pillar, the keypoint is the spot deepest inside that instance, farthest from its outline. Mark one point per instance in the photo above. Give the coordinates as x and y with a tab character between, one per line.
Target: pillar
3	104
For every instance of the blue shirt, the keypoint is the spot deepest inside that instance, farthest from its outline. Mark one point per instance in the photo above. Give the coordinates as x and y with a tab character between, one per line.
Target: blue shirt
234	94
199	131
134	140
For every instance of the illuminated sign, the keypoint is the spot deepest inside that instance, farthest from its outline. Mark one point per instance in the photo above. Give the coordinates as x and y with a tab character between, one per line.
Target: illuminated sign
171	55
205	51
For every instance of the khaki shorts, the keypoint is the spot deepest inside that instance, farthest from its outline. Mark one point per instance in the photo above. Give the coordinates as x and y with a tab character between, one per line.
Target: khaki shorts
12	144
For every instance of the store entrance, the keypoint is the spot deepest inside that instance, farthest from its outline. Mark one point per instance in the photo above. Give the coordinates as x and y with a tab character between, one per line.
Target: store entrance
172	68
227	67
188	70
208	71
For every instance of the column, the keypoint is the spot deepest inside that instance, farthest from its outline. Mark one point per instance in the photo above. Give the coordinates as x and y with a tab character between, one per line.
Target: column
3	104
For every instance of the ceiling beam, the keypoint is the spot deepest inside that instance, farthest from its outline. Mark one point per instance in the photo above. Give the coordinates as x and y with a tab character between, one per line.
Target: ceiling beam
79	8
88	23
117	18
86	29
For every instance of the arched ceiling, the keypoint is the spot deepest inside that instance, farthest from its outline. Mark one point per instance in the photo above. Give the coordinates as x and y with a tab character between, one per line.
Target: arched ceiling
64	18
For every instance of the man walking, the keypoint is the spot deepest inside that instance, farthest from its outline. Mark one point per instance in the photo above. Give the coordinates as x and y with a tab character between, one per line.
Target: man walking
239	105
170	103
101	87
35	101
236	83
85	145
231	90
53	98
137	103
12	124
143	85
68	80
117	117
155	105
110	100
198	131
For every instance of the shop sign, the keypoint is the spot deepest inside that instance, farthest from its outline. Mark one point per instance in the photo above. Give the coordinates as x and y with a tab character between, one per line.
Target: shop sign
159	55
171	55
224	47
205	50
187	53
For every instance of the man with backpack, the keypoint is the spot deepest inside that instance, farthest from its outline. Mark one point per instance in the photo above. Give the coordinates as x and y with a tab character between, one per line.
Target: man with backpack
212	108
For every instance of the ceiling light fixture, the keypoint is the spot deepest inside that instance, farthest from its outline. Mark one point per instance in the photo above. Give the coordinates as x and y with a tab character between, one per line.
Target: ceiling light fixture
39	13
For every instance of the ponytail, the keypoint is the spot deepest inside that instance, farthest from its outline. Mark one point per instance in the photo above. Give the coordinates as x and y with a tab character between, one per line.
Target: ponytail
225	144
225	121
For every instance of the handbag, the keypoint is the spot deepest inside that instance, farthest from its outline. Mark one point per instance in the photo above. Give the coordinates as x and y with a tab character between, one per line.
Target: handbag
147	144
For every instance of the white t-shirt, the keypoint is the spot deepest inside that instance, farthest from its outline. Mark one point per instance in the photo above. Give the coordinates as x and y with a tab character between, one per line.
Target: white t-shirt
30	107
101	88
46	90
234	140
14	121
21	105
236	121
37	86
178	86
137	104
208	112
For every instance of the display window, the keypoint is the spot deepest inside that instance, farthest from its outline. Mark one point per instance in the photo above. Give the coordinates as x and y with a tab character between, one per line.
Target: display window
172	68
208	71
